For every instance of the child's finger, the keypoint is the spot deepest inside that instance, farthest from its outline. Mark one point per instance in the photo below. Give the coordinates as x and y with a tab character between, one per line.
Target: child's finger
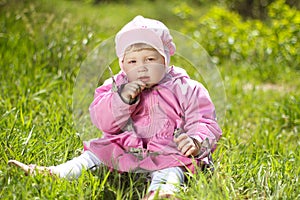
183	144
134	91
186	148
190	151
181	137
141	85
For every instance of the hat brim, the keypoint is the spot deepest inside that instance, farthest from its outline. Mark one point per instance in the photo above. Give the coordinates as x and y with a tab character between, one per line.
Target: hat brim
135	36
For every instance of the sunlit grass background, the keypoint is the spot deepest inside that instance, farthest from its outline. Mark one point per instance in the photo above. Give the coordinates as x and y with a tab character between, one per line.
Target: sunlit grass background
43	44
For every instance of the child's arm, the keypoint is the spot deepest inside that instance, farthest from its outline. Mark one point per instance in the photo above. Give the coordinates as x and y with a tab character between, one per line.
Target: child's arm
108	111
199	119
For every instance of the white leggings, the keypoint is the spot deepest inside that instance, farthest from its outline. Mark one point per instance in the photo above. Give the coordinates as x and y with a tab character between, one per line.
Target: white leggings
72	169
168	179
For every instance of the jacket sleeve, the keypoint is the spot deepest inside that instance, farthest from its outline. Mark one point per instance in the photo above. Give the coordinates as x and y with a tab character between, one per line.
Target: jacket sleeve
108	112
199	115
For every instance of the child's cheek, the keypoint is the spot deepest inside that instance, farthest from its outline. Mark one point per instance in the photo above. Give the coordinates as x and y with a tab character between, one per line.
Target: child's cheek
131	75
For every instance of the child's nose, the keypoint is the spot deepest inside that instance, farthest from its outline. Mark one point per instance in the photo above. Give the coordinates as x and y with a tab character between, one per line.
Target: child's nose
143	68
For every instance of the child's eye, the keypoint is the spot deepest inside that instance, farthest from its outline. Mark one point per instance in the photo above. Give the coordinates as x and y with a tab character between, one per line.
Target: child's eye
131	61
150	59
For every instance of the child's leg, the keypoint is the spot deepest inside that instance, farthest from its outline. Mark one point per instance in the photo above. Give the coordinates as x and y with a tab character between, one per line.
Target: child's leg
167	180
71	169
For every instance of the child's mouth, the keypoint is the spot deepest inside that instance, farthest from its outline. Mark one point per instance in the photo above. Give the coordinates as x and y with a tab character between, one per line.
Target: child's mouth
145	79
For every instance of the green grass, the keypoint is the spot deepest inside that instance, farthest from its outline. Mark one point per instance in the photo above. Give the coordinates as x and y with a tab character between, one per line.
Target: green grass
42	45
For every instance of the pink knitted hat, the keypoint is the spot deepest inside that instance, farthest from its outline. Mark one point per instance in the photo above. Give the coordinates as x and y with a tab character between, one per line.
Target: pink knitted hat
148	31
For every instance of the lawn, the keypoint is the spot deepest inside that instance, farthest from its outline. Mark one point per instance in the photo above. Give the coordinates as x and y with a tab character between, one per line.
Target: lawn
45	44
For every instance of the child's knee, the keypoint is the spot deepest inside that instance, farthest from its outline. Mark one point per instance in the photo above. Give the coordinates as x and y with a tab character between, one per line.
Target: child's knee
168	179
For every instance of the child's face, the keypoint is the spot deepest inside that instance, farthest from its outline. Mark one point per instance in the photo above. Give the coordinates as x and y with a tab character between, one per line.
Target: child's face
146	65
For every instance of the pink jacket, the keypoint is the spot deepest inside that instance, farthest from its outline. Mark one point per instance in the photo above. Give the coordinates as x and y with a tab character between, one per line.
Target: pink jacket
140	136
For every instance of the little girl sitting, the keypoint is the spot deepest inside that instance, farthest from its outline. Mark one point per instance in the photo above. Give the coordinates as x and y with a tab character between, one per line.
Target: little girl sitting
154	118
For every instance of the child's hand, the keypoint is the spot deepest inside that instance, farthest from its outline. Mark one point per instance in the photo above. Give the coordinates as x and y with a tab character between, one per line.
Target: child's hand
132	90
187	145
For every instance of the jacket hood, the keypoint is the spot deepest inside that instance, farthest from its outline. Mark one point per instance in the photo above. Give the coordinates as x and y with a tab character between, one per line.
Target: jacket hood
177	72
